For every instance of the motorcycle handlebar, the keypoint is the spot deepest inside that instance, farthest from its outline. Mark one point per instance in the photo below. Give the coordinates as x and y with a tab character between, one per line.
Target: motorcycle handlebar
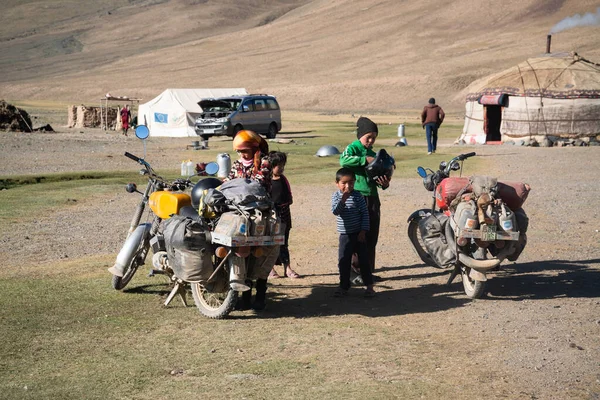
465	156
134	158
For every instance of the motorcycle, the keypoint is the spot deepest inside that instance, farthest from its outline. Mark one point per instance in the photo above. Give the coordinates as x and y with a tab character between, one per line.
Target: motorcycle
164	198
203	239
479	222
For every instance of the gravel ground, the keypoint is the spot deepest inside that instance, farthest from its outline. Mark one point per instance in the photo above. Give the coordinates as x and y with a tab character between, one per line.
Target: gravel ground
535	335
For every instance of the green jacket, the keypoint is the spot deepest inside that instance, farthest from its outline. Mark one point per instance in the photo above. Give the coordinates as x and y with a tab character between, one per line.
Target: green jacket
355	158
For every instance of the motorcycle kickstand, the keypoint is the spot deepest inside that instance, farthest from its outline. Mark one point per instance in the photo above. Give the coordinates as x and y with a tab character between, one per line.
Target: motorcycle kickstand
179	289
453	274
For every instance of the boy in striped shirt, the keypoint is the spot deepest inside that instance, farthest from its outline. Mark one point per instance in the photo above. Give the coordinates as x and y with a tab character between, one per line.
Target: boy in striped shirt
352	216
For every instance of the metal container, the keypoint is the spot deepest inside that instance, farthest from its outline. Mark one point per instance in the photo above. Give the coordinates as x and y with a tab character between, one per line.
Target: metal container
224	162
401	130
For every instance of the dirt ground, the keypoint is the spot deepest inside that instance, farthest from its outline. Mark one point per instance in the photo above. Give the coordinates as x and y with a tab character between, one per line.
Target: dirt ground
536	335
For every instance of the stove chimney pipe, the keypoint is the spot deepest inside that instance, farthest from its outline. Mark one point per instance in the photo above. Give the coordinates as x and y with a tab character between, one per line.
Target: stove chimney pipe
548	41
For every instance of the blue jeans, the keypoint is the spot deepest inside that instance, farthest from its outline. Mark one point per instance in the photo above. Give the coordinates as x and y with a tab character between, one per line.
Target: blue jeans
431	130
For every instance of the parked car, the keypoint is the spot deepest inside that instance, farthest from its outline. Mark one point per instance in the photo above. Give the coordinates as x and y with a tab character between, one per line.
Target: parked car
226	116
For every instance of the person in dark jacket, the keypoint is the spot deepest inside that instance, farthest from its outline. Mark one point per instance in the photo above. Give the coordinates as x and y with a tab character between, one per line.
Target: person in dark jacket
431	119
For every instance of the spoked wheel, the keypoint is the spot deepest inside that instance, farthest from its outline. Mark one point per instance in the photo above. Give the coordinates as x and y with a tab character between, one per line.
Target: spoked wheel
119	282
473	289
215	305
415	238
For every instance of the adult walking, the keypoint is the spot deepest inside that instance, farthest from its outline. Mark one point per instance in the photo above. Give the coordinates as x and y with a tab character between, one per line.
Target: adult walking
431	119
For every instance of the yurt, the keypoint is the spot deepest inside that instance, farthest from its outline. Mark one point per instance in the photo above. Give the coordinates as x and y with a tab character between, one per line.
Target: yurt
556	96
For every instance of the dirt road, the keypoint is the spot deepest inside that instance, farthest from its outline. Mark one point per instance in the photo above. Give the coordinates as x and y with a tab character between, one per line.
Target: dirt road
536	335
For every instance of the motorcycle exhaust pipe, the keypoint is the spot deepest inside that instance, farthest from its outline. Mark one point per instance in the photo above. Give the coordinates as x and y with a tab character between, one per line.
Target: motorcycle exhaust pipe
237	274
130	247
484	265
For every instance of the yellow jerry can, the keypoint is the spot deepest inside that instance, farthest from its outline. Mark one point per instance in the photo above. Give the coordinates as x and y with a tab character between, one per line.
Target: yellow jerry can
164	203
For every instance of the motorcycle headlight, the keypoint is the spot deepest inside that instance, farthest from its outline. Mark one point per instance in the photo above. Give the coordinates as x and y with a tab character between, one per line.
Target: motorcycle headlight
428	182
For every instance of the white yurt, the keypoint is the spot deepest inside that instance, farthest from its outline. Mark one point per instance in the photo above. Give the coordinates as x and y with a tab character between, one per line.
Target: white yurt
555	96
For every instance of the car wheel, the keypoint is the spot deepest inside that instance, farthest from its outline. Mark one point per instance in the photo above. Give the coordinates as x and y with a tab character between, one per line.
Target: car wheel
272	132
237	128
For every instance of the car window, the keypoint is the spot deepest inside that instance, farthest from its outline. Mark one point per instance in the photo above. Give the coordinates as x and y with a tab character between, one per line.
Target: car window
248	104
260	105
272	104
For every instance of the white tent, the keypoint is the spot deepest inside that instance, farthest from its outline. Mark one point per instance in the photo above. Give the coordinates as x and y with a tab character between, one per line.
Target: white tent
174	111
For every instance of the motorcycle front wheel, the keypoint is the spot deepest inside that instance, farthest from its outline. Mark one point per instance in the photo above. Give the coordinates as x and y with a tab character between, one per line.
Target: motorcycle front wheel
473	289
419	247
119	282
216	305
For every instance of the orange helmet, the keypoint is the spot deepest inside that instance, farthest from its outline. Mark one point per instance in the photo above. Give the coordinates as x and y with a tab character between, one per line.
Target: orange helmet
245	139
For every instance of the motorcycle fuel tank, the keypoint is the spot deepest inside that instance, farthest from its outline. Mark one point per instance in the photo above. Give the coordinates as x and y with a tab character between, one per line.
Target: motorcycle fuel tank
164	203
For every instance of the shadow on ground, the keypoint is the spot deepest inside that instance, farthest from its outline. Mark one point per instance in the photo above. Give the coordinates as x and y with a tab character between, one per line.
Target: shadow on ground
515	282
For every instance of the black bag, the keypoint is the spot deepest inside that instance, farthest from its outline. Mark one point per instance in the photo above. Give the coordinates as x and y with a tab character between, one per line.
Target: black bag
188	251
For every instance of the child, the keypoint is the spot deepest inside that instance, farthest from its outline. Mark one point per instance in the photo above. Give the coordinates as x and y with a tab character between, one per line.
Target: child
350	208
253	164
281	194
357	156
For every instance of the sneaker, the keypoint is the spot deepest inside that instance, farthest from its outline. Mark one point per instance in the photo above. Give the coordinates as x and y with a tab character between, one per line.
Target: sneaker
358	281
339	292
428	153
369	293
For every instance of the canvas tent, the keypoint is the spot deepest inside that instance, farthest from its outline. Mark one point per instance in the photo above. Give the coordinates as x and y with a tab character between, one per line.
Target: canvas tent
554	96
173	112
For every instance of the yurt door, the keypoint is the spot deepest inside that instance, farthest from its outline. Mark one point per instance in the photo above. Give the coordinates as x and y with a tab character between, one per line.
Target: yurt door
491	123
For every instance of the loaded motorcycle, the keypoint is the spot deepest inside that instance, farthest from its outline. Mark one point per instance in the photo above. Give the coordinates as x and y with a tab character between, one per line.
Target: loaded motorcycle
205	239
478	224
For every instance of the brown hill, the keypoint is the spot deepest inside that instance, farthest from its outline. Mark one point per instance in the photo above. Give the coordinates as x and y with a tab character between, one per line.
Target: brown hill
333	55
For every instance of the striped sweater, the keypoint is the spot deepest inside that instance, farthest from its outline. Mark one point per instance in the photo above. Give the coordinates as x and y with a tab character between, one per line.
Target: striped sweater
352	215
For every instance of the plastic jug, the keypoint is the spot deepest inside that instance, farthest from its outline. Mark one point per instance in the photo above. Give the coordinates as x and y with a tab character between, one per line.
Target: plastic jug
190	168
506	220
184	168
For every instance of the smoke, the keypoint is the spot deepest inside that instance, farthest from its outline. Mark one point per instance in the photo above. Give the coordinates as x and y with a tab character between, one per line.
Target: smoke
577	20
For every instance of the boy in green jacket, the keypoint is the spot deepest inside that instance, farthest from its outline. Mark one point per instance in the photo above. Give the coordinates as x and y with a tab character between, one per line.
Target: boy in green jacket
357	156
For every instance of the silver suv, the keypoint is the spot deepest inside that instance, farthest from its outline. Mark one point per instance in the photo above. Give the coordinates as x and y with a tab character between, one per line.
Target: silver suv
226	116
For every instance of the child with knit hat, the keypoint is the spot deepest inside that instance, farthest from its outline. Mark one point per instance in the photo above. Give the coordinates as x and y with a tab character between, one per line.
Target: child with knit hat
357	156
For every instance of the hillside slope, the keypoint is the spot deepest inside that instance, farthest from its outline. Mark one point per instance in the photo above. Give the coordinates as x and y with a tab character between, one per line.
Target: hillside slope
333	55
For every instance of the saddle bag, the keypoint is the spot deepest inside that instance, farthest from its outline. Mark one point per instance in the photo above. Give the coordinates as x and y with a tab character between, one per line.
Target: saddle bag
434	231
188	251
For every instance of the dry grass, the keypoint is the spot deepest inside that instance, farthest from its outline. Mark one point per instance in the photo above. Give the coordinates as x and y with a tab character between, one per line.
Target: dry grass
346	56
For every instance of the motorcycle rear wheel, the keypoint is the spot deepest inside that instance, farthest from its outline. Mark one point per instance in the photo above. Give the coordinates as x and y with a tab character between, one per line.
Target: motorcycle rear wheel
119	282
473	289
213	305
419	247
